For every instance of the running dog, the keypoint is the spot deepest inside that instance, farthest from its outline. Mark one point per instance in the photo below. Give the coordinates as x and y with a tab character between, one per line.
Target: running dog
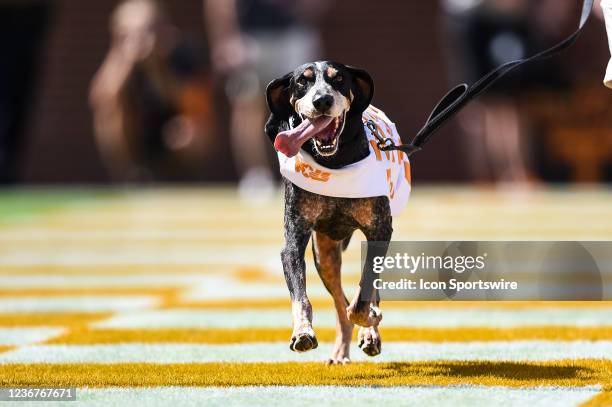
319	125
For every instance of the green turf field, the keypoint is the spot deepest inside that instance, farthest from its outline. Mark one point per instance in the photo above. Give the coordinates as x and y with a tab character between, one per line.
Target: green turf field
164	295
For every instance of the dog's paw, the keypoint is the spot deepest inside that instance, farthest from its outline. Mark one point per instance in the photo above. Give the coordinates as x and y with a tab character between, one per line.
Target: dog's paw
369	341
337	361
341	353
303	342
366	318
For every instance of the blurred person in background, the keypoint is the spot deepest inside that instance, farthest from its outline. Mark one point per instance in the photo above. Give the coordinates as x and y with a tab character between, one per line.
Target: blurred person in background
151	98
605	12
253	42
483	34
23	25
573	130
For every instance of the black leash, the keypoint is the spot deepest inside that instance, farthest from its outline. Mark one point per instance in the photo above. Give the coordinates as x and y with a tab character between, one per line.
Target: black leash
462	94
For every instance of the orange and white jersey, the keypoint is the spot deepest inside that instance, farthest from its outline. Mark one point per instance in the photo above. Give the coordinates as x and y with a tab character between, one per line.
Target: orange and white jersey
381	173
606	6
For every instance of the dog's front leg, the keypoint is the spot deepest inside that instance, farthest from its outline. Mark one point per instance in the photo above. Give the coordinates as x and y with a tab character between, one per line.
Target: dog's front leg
363	309
367	299
377	227
297	234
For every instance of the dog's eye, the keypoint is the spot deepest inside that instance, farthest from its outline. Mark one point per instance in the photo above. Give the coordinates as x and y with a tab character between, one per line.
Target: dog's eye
302	81
338	79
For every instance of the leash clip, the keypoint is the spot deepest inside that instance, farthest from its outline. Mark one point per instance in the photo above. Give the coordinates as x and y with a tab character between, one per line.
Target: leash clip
384	144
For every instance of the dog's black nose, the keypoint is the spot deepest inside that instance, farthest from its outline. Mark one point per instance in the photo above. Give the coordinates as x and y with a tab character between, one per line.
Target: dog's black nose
323	102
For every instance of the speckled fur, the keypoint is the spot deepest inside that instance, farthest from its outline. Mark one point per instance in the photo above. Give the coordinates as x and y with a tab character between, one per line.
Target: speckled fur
331	222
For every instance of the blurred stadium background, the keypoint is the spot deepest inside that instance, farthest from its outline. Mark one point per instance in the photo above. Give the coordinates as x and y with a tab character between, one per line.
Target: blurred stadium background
140	224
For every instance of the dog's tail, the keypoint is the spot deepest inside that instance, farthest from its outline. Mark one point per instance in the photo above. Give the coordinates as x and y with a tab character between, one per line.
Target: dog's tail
346	242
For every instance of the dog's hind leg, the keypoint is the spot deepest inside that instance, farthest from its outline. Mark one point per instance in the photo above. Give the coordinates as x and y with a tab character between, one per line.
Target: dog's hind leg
328	260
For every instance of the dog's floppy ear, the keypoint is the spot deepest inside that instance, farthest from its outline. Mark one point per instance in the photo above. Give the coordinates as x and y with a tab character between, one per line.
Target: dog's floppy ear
363	89
277	96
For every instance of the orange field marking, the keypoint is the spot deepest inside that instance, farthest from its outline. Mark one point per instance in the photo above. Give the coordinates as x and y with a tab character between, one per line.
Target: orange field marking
51	319
91	291
439	373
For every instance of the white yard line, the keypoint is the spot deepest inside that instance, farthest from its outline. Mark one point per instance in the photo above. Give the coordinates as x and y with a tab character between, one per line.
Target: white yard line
424	317
116	255
25	336
340	396
76	304
277	352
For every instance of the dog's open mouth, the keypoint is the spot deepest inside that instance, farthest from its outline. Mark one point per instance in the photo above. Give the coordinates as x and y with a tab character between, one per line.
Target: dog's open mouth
325	131
327	140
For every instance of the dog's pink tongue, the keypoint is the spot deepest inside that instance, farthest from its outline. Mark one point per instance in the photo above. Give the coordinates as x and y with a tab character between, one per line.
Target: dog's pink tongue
289	142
